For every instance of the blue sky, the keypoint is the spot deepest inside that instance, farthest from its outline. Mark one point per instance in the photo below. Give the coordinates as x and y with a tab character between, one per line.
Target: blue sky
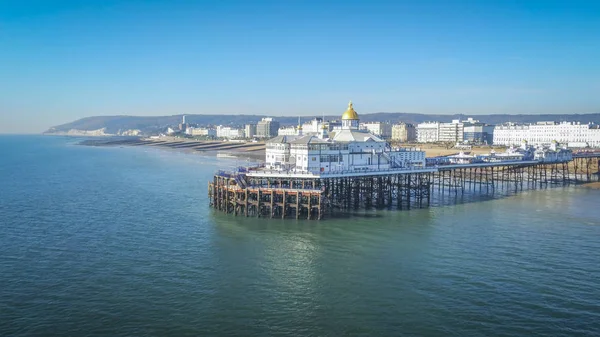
63	60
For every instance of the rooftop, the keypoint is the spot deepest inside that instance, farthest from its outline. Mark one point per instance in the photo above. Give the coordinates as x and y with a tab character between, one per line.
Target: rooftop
281	139
355	136
308	140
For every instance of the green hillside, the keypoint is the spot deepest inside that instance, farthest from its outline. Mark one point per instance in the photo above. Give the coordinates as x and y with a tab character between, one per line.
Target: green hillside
114	124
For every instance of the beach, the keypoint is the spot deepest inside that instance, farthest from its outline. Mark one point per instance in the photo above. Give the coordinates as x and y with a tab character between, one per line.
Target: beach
250	150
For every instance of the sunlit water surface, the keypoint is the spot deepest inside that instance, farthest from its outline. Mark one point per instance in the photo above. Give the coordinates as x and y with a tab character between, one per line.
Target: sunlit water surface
121	242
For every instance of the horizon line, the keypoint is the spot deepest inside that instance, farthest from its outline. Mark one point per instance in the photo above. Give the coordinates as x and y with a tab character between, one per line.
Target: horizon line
362	113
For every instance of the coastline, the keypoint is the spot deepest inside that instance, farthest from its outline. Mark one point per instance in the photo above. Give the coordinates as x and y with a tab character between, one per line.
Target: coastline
594	185
252	151
248	150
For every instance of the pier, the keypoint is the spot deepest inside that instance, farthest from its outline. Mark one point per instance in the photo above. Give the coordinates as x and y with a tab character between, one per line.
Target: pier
278	194
343	169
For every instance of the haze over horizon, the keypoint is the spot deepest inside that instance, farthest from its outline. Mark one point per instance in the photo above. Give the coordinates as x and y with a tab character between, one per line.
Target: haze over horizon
64	60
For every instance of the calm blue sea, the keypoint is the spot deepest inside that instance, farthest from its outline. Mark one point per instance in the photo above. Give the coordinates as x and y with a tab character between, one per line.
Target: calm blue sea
98	241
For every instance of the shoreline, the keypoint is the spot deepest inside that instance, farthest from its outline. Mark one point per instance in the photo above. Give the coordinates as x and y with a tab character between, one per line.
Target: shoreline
252	151
247	150
593	185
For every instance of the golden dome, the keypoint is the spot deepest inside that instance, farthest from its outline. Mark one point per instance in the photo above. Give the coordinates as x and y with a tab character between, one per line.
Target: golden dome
350	114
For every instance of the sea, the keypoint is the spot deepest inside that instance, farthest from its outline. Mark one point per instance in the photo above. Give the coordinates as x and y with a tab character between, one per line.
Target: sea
120	241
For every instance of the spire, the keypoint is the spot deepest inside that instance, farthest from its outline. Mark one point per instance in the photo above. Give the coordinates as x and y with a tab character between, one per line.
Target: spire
323	131
299	127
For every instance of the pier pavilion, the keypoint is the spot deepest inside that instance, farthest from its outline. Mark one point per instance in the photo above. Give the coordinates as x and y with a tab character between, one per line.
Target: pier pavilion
309	177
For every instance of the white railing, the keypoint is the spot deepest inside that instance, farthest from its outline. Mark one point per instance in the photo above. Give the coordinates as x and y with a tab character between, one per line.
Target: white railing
337	172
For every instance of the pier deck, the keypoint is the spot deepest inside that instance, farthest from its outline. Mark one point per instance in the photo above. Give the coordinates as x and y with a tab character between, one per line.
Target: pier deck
273	194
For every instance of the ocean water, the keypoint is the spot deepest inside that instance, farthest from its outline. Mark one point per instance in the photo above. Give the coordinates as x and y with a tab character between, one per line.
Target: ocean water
121	242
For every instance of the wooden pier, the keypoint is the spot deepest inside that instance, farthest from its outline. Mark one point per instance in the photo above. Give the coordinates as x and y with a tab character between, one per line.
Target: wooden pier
280	195
231	195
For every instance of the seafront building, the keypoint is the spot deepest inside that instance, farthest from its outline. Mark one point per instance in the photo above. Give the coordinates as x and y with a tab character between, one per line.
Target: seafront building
208	132
379	129
267	128
314	126
404	132
287	131
348	149
451	132
574	134
428	132
229	132
478	133
457	131
250	130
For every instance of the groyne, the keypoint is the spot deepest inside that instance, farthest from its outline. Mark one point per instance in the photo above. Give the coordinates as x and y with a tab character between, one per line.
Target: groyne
250	150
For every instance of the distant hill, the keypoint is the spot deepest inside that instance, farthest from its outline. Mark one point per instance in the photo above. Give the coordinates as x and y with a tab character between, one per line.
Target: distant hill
116	124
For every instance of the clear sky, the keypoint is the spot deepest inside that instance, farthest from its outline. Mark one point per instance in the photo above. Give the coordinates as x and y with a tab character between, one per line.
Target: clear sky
63	60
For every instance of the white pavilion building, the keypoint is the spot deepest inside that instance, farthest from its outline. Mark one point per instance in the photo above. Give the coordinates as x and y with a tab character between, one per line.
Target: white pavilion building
346	150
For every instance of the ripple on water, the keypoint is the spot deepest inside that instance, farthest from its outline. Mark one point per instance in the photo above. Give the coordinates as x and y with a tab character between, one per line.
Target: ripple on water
121	242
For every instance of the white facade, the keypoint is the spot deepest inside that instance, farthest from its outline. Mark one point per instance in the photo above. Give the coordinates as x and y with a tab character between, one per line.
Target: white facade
310	154
575	134
277	153
250	130
312	127
549	156
428	132
379	129
553	154
451	132
454	132
348	150
267	128
228	132
287	131
478	133
408	157
593	137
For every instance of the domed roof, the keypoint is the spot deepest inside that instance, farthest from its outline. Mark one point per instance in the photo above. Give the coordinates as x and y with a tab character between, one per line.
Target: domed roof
350	114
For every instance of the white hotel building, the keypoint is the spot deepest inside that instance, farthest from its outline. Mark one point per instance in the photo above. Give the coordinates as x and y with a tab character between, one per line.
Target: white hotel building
457	131
573	134
229	132
348	150
379	129
428	132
